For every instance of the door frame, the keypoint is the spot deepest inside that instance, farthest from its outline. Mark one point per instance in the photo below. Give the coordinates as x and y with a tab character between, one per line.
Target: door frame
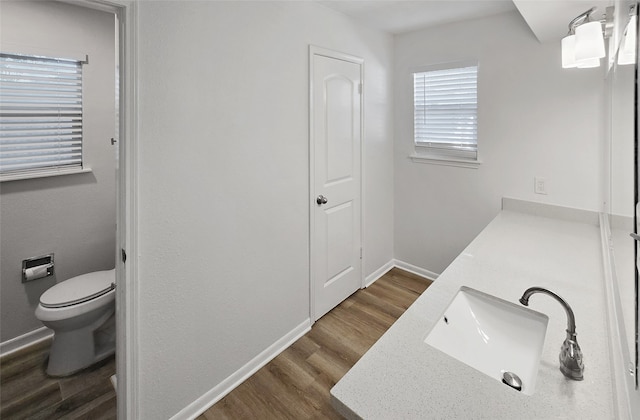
324	52
127	390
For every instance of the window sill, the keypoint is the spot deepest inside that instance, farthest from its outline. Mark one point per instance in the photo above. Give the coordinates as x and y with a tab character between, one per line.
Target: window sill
43	174
445	161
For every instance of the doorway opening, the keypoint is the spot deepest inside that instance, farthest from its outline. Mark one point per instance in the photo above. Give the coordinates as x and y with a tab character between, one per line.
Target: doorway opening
77	202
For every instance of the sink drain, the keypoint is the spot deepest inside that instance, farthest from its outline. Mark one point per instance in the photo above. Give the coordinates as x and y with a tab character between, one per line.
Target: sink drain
512	380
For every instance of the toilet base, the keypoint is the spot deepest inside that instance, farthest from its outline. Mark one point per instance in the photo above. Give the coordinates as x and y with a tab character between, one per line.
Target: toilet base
73	351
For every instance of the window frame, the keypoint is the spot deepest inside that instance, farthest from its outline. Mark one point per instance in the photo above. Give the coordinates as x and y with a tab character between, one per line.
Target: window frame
53	170
444	155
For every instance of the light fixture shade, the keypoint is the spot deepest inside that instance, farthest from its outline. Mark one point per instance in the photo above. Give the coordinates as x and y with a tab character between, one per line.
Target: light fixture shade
624	59
630	35
587	64
589	41
569	52
627	52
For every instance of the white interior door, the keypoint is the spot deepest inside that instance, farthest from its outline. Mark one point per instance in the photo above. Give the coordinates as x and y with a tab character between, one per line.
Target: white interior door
336	139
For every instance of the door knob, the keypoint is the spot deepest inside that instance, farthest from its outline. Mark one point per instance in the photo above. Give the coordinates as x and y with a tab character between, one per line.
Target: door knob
321	199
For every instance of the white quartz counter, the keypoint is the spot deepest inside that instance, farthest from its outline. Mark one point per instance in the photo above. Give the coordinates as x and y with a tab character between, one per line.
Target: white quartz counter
401	377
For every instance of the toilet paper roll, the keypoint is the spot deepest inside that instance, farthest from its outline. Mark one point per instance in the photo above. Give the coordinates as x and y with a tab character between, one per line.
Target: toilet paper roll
36	272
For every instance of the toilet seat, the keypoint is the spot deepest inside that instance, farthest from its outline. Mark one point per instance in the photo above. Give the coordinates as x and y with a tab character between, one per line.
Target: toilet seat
79	289
71	303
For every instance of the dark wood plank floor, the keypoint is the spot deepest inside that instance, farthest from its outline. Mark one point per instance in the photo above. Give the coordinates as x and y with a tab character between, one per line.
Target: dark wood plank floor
26	392
296	384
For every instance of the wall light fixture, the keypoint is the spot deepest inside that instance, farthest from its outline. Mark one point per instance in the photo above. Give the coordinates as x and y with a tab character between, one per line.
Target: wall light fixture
583	47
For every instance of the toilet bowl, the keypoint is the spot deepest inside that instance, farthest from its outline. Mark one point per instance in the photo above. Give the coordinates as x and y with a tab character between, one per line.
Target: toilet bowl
80	311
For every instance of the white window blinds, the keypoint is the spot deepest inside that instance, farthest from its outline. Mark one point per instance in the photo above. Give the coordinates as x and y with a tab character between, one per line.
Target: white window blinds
445	111
40	114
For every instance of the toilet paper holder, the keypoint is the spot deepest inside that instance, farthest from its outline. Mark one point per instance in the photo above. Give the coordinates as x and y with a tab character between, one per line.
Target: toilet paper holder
35	268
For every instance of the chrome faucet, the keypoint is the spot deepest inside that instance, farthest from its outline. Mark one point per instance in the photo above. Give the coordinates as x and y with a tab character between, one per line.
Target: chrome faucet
570	357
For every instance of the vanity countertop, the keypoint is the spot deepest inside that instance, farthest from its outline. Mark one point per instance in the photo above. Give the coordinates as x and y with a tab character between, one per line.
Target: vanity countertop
401	377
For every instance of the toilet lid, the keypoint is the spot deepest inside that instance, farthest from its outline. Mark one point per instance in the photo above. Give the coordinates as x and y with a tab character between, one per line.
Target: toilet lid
79	289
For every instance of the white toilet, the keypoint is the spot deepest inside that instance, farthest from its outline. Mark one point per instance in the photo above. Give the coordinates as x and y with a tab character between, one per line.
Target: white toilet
80	311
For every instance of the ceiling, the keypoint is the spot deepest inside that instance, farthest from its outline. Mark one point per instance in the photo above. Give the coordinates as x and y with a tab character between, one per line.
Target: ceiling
401	16
548	19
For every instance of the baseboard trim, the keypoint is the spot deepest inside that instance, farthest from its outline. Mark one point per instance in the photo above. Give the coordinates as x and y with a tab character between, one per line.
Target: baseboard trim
24	340
419	271
216	393
371	278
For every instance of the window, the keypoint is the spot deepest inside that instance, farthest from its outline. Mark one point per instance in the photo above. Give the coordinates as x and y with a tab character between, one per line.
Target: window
40	116
446	114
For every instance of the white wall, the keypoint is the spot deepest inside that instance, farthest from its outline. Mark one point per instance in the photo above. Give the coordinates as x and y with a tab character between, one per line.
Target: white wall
534	119
72	215
223	178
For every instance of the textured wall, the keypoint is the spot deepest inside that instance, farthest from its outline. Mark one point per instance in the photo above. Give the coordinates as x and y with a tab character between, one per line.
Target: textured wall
535	119
224	174
72	215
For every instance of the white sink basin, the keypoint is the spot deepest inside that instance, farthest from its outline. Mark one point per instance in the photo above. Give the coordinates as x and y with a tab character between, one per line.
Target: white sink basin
491	335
